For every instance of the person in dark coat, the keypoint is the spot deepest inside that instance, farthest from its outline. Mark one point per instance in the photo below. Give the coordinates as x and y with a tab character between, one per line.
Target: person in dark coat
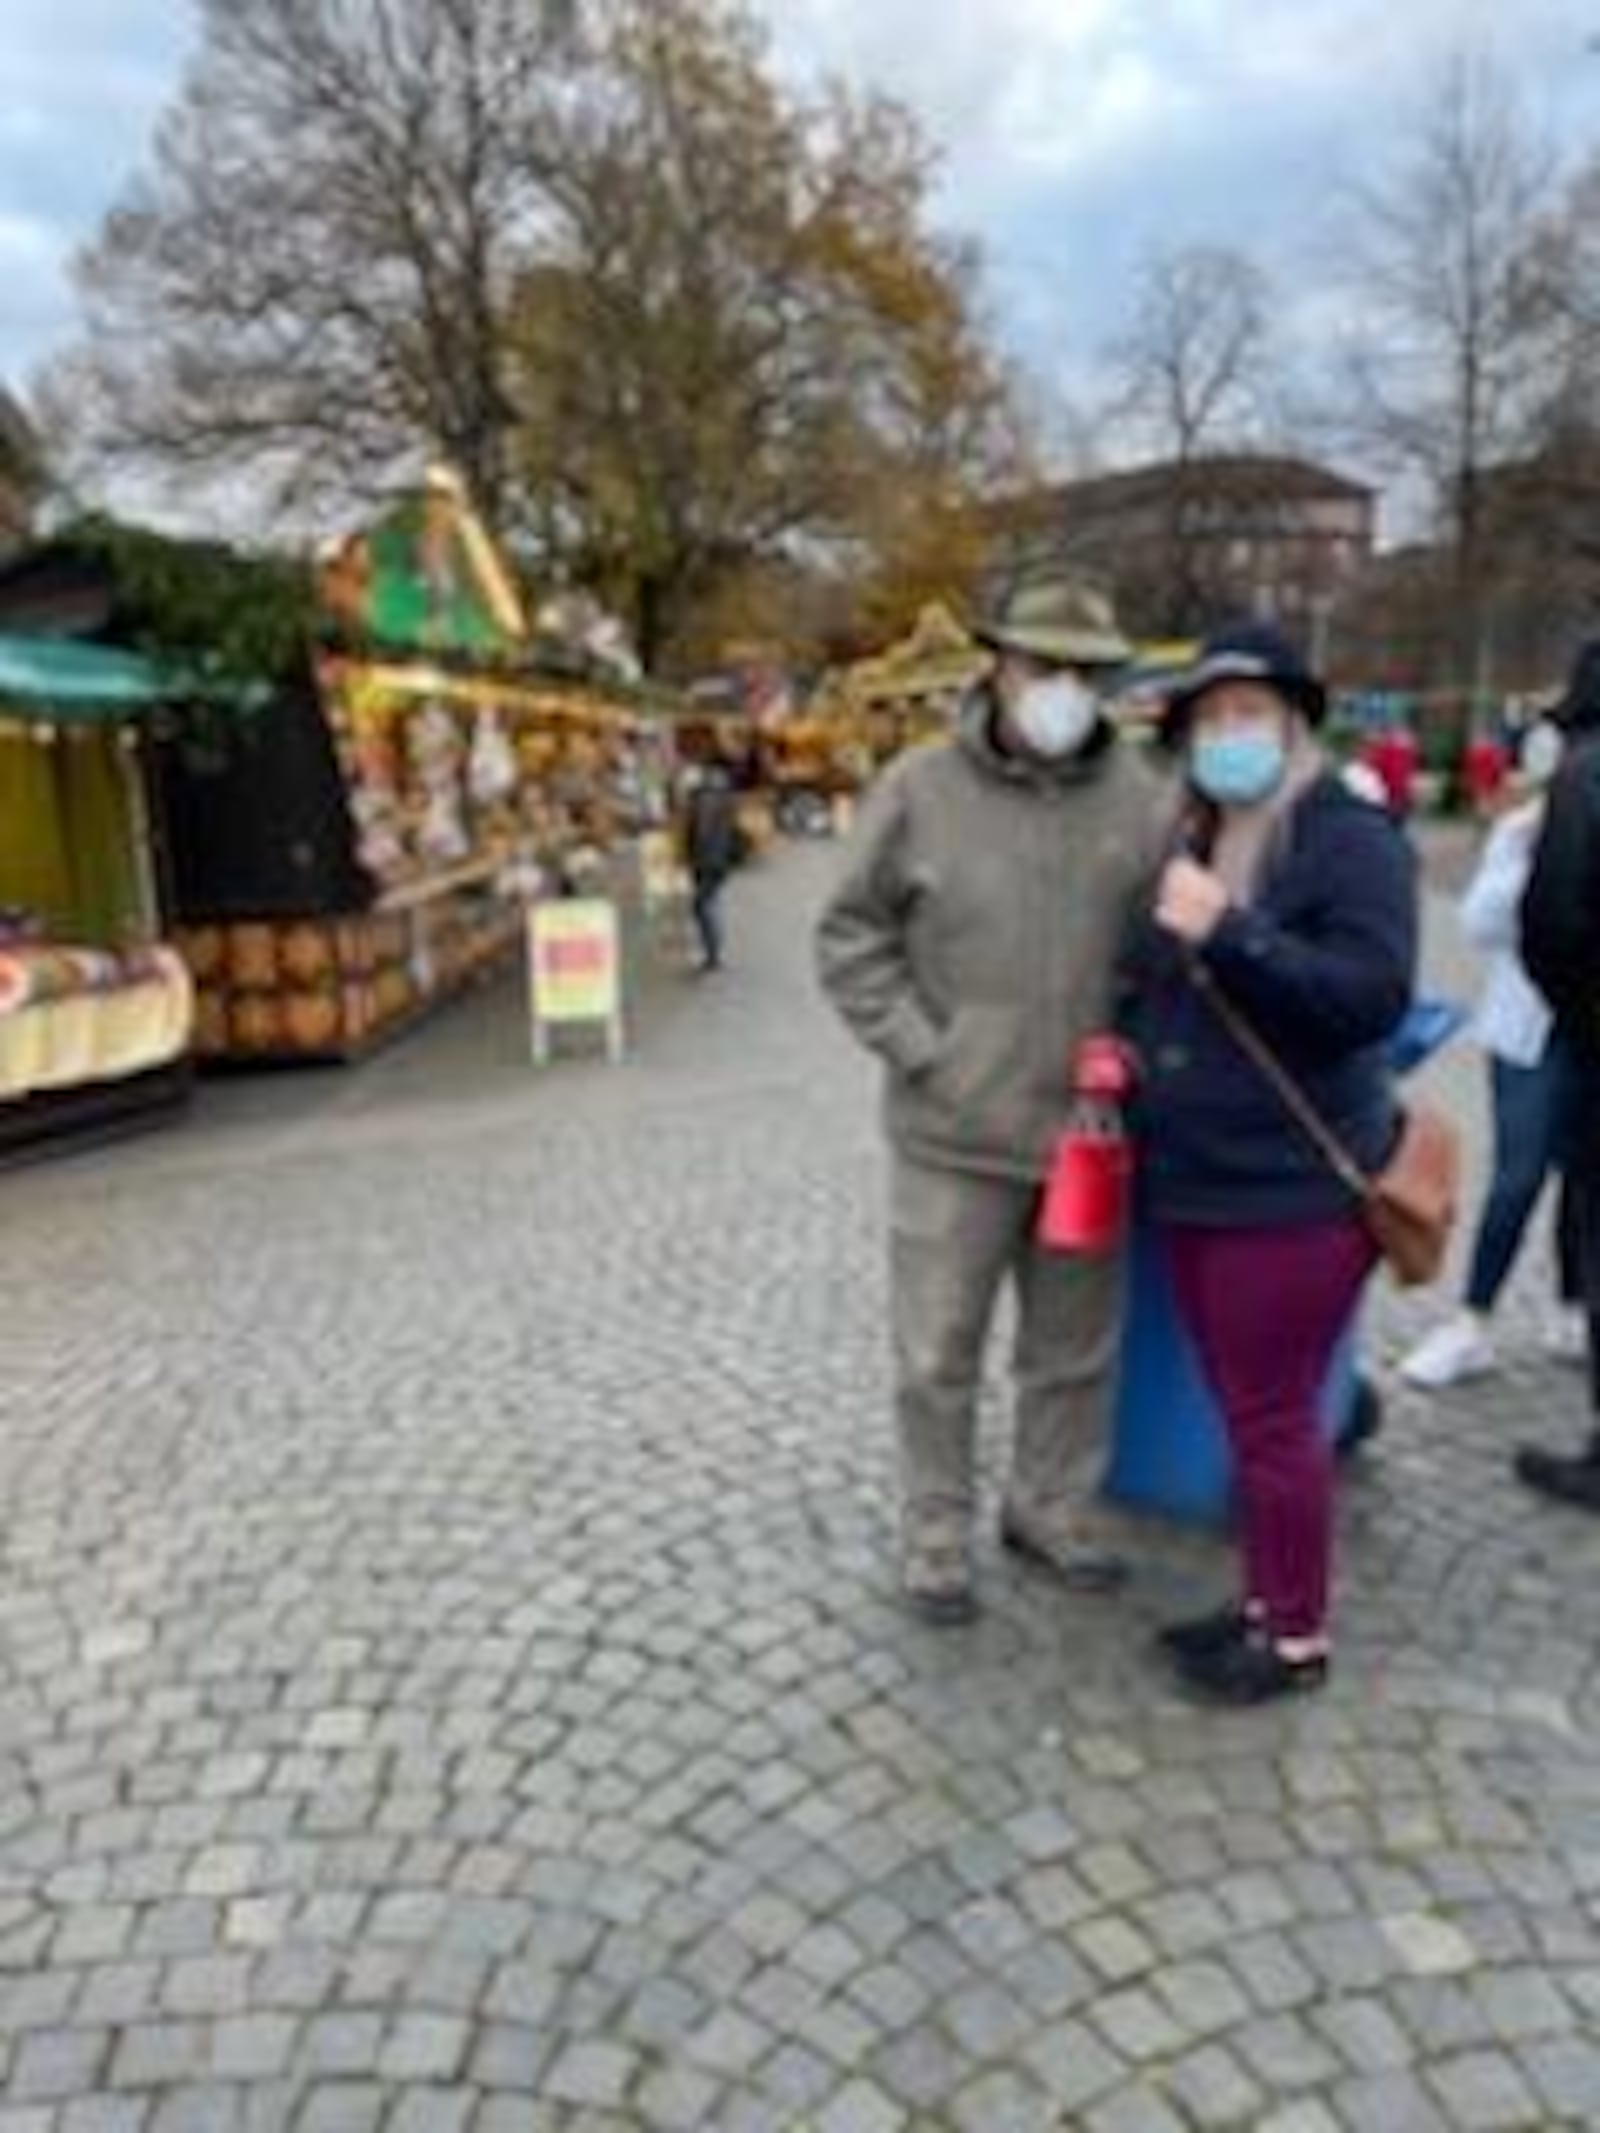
712	848
1294	903
1561	949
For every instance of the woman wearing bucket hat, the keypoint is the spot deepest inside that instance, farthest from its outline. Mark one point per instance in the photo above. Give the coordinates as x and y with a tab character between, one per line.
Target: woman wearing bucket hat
1285	917
972	943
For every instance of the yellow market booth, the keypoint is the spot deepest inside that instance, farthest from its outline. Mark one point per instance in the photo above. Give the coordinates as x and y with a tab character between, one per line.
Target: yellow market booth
95	1008
914	691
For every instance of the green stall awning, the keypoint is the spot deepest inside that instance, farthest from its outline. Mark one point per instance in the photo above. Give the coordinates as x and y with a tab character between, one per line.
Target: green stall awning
57	681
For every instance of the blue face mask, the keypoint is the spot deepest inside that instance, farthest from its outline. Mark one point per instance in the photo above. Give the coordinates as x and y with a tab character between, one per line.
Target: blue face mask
1238	769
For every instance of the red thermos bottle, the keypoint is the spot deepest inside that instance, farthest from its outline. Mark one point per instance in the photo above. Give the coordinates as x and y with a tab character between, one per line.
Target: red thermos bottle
1085	1204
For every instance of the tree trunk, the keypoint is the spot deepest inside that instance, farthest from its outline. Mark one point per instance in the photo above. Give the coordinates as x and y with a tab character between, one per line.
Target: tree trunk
652	620
1472	675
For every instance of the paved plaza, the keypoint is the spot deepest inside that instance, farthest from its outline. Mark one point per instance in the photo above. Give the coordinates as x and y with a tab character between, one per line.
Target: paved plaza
451	1679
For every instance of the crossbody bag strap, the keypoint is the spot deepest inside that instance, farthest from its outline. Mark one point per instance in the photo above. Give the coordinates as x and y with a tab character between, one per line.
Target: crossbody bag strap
1255	1047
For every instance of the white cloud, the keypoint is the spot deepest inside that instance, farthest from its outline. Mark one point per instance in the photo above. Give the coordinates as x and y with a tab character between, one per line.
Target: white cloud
1098	72
1082	136
1019	92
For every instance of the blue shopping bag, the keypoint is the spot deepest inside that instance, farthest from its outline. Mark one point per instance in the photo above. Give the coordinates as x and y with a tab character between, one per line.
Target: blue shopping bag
1169	1451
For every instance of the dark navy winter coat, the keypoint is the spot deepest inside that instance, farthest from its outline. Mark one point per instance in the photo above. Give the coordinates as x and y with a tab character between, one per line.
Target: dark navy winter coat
1561	910
1322	964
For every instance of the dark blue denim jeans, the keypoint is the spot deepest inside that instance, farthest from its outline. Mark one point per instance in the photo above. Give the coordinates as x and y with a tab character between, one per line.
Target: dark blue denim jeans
1532	1130
706	906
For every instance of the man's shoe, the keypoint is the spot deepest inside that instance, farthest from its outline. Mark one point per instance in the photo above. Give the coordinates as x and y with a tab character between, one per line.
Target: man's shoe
1205	1634
1572	1478
1064	1554
1451	1355
936	1580
1251	1670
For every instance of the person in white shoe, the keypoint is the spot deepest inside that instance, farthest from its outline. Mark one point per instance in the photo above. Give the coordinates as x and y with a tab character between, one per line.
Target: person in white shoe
1530	1076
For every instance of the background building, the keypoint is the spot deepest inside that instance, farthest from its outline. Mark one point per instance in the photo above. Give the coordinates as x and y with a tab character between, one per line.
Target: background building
1183	544
1400	624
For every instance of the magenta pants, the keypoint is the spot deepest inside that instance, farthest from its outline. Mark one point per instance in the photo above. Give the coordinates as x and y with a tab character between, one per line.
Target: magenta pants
1265	1309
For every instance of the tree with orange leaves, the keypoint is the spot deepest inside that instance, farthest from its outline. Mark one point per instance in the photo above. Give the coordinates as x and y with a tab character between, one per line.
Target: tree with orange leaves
744	354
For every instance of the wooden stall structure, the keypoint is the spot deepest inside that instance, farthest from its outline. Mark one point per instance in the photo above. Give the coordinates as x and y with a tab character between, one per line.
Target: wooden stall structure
442	767
913	692
352	837
95	1004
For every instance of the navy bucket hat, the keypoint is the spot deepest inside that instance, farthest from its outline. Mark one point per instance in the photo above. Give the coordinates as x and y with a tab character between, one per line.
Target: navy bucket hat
1248	651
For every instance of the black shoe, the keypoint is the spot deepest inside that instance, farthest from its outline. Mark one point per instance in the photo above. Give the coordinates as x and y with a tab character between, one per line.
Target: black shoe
1568	1478
1203	1634
1249	1671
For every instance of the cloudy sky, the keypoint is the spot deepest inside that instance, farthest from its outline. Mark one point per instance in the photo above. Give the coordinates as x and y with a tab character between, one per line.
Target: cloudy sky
1080	134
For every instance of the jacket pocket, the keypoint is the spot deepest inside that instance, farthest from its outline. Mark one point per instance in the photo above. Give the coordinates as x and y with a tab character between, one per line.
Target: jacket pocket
977	1091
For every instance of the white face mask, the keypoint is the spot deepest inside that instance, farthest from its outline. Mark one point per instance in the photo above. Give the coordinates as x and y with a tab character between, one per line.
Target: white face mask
1055	716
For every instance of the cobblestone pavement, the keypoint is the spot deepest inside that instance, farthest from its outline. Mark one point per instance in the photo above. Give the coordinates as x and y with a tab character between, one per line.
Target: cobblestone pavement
450	1683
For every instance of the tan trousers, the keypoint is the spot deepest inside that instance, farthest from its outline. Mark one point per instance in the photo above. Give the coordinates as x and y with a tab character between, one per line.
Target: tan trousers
955	1239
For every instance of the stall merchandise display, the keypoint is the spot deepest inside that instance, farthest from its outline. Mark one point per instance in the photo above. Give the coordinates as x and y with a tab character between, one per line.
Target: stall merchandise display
400	803
913	692
861	717
461	791
70	1015
325	988
347	839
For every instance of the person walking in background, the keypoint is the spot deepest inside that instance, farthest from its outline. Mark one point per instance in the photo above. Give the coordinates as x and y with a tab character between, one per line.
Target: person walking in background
1530	1091
1485	768
1394	758
1287	919
712	850
1561	949
971	944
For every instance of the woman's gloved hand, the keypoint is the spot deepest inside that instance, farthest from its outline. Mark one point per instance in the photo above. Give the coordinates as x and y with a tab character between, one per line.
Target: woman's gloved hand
1191	901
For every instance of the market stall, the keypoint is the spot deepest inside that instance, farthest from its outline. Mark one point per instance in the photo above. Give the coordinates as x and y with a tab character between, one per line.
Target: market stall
800	766
95	1006
361	852
1141	690
914	691
816	762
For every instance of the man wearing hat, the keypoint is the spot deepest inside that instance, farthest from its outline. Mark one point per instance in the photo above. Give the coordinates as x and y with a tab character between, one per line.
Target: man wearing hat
971	945
1561	948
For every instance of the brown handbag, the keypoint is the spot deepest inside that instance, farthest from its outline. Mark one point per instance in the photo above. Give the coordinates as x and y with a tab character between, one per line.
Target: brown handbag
1412	1203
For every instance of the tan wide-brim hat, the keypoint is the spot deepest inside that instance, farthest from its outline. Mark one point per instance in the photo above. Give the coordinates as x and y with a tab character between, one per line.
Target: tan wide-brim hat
1063	621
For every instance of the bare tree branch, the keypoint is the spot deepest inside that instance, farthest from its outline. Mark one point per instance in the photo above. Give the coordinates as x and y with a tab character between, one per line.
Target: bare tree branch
1451	354
322	250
